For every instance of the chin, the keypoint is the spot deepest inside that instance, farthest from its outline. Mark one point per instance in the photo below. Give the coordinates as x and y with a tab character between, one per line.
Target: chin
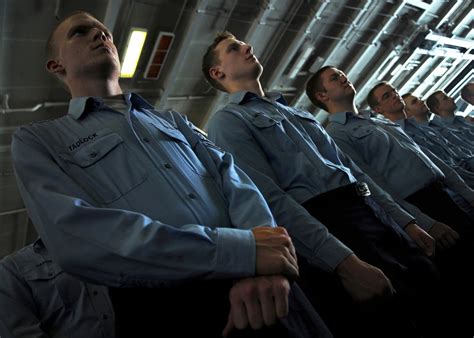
257	71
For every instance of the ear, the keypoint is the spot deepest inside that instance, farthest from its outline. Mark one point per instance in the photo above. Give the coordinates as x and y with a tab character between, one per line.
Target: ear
321	96
378	110
216	73
54	67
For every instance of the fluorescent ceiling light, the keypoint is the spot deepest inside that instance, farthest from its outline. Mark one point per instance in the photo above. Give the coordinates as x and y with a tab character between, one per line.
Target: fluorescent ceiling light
454	41
397	68
135	43
439	71
446	52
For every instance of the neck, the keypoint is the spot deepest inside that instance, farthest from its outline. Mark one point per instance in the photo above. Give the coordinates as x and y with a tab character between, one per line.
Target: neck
253	86
95	87
422	117
395	116
446	113
342	106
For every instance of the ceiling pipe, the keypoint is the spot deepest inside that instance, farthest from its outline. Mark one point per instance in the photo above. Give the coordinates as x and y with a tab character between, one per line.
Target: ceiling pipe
34	108
11	212
295	45
301	99
374	47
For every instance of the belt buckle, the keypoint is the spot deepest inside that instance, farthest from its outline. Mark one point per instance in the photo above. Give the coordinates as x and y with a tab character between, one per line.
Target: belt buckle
362	189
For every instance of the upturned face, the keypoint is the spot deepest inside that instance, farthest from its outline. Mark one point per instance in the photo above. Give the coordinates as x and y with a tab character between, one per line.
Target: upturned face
414	106
336	85
237	61
388	99
83	45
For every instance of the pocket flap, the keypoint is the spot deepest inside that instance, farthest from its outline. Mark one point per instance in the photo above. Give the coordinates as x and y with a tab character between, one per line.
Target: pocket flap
93	151
265	121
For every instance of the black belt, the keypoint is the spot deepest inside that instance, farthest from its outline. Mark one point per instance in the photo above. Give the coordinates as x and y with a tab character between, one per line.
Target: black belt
346	192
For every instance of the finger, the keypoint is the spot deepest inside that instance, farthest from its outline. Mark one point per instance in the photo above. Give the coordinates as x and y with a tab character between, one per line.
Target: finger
442	243
455	234
268	307
254	311
391	290
422	245
430	247
450	240
281	304
291	258
239	315
290	269
229	326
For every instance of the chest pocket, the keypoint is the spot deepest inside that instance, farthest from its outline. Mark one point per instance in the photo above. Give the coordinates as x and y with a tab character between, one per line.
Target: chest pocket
272	131
305	116
361	133
105	168
181	150
53	289
58	296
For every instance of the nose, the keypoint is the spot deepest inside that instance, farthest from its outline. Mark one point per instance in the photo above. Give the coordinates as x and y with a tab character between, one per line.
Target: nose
99	34
248	49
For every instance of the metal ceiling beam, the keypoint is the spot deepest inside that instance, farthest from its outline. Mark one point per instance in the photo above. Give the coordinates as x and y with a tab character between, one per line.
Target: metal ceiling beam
295	45
372	49
301	99
111	13
183	50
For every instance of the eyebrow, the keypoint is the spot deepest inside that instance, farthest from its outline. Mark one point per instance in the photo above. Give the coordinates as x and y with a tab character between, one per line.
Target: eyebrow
231	45
88	25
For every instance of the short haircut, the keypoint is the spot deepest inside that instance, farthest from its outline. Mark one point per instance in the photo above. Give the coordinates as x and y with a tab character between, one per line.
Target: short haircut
404	96
315	85
210	58
432	102
50	49
371	101
465	92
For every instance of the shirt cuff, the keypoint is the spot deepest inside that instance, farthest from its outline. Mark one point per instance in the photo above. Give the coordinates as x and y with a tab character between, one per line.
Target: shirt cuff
425	222
330	254
236	253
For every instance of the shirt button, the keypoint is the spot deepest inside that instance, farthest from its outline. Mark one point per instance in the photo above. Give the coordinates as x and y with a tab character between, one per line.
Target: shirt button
105	316
168	166
192	196
146	139
95	293
93	154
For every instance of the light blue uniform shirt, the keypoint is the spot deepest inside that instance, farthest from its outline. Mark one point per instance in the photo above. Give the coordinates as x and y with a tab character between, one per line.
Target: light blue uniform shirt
136	197
290	147
38	299
454	136
455	125
427	137
393	159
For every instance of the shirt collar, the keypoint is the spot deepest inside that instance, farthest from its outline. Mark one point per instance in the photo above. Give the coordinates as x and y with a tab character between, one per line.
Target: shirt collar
401	122
449	119
80	105
245	96
342	117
